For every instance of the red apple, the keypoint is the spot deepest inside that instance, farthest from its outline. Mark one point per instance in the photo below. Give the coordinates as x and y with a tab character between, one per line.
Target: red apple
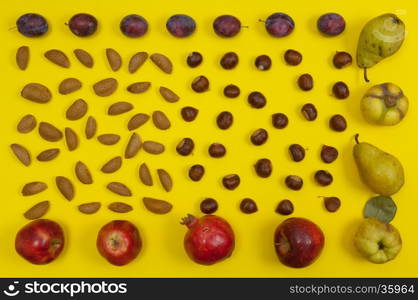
119	242
298	242
40	242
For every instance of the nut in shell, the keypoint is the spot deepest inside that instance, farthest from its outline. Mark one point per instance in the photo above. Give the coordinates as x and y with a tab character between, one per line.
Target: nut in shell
36	92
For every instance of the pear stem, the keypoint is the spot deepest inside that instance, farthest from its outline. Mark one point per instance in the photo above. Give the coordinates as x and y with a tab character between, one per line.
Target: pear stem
356	138
365	75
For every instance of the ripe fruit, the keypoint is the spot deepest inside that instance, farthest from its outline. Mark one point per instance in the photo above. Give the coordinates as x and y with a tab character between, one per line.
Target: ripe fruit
377	241
298	242
133	26
226	26
83	24
380	171
331	24
384	104
32	25
210	239
119	242
40	242
380	38
279	24
181	25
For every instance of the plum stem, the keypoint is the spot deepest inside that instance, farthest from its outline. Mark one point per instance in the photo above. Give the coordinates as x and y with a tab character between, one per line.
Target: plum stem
263	21
12	28
365	75
245	26
356	138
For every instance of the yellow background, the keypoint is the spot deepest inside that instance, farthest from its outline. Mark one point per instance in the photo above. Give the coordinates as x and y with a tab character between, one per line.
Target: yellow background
162	253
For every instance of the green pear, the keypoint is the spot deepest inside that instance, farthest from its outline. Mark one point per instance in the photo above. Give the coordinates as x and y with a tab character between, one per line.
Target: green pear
381	37
377	241
380	171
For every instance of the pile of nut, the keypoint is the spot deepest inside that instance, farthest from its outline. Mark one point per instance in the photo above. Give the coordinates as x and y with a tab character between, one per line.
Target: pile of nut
39	93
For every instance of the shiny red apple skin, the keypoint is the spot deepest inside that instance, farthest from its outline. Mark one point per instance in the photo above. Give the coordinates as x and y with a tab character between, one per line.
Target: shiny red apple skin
119	242
40	241
298	242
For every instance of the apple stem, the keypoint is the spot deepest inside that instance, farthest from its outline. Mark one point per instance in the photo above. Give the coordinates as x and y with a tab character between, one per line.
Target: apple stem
356	138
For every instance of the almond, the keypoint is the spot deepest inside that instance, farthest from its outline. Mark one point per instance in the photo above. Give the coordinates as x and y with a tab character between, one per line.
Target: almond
48	154
108	138
119	108
153	147
137	121
133	146
71	139
26	124
37	211
36	92
33	188
69	85
169	95
112	165
89	208
163	62
22	154
145	175
84	57
114	59
22	57
120	207
49	132
165	179
58	57
157	206
160	120
77	110
83	173
91	127
105	87
136	61
65	186
138	87
119	188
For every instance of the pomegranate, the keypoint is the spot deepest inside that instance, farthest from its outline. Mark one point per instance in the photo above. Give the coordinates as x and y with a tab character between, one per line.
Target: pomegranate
210	239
